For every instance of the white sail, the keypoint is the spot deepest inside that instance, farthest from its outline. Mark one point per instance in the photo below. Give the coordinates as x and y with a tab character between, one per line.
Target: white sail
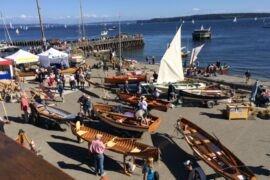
194	54
17	31
235	19
193	22
171	68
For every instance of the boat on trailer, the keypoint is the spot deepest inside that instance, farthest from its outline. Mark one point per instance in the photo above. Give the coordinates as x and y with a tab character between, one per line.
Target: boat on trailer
124	118
213	152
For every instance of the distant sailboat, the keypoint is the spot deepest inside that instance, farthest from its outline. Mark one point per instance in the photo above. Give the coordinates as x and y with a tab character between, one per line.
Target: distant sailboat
255	19
194	55
65	26
183	22
21	27
17	31
26	28
235	19
11	26
193	22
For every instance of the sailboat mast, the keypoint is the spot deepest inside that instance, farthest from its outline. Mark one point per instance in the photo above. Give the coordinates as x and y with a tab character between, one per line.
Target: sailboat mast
6	29
120	44
82	22
41	27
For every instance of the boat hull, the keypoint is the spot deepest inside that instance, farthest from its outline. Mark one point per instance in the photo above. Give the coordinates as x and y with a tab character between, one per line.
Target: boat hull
180	86
123	79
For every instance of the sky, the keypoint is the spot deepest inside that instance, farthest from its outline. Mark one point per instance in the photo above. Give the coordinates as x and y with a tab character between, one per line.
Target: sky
68	11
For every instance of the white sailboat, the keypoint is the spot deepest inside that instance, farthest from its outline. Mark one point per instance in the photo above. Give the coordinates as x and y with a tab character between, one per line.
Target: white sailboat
11	26
65	26
17	31
194	54
193	22
171	68
235	19
255	19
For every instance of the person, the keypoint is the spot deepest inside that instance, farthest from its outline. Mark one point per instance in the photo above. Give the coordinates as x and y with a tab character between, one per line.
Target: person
60	90
130	166
82	80
194	173
2	123
25	108
139	89
155	76
105	69
97	148
139	115
77	78
87	107
148	170
218	64
72	82
63	80
143	105
248	75
82	101
146	59
126	87
156	93
171	92
153	60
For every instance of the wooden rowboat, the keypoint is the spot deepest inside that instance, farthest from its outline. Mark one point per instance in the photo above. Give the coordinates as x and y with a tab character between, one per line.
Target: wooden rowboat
133	78
32	73
123	118
213	153
152	103
125	146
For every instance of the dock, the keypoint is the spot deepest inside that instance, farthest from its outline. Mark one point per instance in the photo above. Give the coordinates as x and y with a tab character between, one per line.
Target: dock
127	41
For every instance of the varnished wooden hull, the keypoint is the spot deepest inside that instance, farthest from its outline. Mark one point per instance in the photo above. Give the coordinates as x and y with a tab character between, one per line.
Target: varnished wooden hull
32	73
152	103
125	146
213	153
106	114
123	79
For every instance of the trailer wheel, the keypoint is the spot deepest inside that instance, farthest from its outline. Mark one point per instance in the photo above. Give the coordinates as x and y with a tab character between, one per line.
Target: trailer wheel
210	104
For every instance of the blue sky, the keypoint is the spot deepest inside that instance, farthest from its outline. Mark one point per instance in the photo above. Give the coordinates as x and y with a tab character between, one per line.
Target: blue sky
67	11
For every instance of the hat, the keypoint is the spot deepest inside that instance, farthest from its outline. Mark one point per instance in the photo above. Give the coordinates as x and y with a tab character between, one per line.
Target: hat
143	98
98	136
187	163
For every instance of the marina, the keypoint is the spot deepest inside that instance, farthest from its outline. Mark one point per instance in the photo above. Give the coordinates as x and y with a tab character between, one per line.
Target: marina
120	99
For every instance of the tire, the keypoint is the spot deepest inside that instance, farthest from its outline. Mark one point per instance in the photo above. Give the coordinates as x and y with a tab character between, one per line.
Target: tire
210	104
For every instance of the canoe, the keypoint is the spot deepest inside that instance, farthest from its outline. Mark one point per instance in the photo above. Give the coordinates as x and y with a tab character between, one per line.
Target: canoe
125	146
52	113
123	118
133	78
152	103
213	153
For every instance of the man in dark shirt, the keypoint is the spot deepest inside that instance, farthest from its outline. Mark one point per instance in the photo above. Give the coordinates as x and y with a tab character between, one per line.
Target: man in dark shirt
248	75
155	76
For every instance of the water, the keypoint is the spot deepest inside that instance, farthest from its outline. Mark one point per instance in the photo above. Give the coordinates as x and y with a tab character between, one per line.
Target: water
242	45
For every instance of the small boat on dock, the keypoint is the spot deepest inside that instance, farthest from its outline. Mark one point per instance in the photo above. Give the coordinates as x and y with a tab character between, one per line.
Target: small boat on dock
152	103
131	78
208	97
124	118
125	146
213	152
201	34
32	73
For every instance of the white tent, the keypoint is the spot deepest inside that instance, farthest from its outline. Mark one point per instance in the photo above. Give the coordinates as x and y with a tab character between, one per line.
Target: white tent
53	56
22	57
171	68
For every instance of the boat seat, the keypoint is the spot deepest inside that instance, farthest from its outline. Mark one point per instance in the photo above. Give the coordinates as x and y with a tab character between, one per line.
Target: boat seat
135	150
189	131
212	155
111	143
200	142
78	127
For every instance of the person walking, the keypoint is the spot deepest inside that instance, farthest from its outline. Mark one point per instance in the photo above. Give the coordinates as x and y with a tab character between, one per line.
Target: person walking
25	108
153	59
171	92
63	80
2	124
87	107
97	148
82	80
72	82
148	170
194	173
60	90
146	59
248	75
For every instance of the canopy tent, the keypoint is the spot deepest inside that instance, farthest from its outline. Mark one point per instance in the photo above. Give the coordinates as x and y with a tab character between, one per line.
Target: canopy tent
23	57
6	69
52	57
171	68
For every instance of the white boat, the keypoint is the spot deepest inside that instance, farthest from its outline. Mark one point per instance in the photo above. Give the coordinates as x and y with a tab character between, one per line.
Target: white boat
171	68
235	19
104	33
193	22
17	31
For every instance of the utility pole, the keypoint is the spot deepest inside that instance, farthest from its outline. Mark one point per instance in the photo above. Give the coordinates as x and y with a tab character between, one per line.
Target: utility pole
41	27
82	23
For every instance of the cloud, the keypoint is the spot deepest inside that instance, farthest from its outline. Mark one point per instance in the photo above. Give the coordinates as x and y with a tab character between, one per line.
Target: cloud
90	15
195	9
23	16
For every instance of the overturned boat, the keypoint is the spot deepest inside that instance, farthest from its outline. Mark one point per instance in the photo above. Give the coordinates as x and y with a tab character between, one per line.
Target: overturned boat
213	152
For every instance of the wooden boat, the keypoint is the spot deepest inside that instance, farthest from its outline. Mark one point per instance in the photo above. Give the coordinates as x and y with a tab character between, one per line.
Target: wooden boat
32	73
133	78
152	103
50	113
205	95
225	71
125	146
213	153
123	118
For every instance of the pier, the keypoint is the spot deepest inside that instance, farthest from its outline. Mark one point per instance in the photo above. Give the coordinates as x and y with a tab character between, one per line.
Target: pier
127	41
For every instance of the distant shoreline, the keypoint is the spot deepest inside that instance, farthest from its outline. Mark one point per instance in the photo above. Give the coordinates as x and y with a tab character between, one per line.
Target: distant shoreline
207	17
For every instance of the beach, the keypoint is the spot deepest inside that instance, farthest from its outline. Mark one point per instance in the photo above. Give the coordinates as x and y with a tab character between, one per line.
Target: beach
247	139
